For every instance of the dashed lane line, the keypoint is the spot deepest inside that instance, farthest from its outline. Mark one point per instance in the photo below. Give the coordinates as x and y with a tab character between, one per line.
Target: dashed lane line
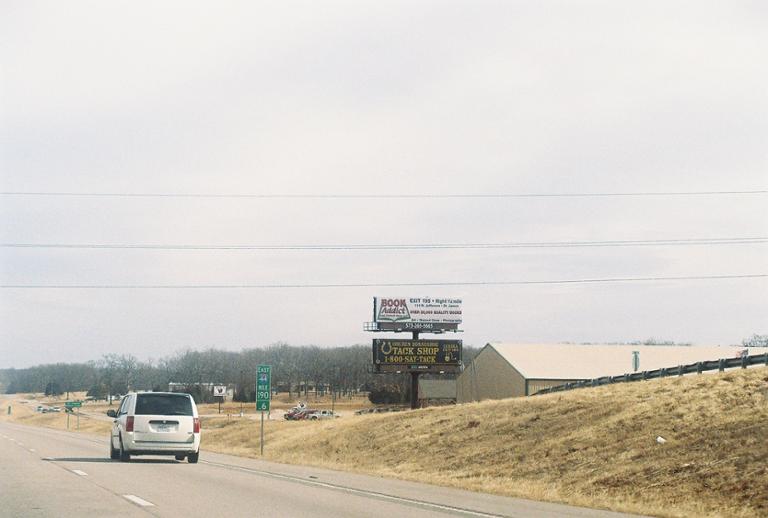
138	501
78	472
361	492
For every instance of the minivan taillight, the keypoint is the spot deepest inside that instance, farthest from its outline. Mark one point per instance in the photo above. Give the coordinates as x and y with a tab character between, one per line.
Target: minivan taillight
129	423
196	425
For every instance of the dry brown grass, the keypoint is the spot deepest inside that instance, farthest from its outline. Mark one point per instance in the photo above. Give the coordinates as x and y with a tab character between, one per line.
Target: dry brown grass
283	401
23	412
590	447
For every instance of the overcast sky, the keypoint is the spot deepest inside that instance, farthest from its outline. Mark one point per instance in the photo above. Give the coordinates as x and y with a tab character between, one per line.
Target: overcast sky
349	98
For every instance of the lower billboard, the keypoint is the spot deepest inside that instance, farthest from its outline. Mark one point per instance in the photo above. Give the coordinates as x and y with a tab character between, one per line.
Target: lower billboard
395	355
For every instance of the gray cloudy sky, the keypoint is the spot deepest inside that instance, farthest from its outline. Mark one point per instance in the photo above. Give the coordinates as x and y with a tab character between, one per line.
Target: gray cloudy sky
337	98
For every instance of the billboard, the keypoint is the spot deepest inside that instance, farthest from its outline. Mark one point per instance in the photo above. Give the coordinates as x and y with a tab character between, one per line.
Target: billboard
418	312
392	355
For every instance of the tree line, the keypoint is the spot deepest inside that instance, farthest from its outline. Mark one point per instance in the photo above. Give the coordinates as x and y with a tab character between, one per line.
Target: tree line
296	370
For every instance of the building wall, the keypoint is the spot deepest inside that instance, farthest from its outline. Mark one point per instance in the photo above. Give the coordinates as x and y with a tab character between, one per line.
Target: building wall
489	376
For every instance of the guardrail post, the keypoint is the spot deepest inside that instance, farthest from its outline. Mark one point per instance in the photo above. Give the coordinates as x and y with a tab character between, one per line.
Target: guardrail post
679	370
663	372
699	370
744	360
721	365
645	375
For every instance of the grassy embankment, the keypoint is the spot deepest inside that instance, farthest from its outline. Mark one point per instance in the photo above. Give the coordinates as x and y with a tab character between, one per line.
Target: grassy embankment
590	447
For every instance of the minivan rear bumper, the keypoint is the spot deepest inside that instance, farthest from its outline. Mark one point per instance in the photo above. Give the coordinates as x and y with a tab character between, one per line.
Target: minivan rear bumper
161	452
135	447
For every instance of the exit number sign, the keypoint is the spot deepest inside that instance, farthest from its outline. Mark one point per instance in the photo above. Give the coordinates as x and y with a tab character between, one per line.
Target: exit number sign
263	387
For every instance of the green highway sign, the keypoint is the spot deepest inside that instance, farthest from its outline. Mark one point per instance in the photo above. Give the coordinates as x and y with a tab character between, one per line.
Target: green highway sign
263	387
73	404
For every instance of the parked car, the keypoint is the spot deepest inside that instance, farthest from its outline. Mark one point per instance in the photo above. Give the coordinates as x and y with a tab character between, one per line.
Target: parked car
321	414
304	414
291	414
155	423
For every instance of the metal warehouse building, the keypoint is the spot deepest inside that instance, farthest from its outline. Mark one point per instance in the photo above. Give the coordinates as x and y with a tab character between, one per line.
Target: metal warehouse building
502	370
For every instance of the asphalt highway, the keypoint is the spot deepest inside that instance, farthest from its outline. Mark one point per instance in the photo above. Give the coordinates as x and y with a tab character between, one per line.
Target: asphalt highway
55	473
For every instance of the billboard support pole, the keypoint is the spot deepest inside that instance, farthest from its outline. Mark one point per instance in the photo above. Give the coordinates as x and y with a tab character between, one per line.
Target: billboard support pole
415	382
415	390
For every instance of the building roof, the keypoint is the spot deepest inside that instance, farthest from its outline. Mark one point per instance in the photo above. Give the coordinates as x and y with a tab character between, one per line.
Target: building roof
571	361
437	389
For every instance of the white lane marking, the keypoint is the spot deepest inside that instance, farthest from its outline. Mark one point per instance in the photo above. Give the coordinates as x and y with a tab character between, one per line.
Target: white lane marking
32	450
78	472
138	501
363	492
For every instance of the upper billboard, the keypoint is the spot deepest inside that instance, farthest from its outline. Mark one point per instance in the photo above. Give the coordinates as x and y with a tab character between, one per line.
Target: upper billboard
417	311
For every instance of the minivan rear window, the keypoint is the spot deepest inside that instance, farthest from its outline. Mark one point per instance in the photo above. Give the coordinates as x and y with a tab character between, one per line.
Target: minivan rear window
163	404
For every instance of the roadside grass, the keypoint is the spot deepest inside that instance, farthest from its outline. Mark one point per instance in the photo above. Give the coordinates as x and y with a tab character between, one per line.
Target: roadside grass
93	414
283	401
591	447
23	412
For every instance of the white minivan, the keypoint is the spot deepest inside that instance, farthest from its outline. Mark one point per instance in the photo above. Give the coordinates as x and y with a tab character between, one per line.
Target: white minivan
155	423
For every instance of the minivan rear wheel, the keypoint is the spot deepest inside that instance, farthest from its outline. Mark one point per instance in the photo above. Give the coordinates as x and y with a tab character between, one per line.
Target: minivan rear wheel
192	457
114	454
124	455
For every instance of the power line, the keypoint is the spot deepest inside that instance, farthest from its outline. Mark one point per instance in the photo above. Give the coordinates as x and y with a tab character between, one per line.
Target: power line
382	196
432	246
373	285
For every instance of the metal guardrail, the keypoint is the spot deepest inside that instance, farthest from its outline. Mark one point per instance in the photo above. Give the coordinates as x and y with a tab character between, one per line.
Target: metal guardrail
698	367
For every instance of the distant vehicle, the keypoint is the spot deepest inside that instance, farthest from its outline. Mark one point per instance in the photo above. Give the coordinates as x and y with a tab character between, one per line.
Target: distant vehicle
155	423
39	408
291	414
55	409
321	414
304	414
